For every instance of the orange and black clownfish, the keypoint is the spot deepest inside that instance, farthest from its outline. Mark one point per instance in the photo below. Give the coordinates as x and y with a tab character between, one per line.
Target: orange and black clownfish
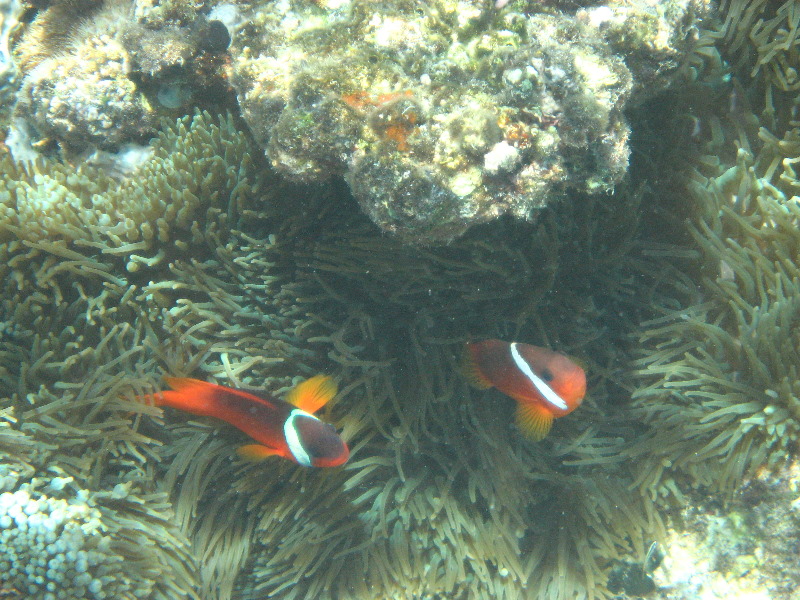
281	428
544	383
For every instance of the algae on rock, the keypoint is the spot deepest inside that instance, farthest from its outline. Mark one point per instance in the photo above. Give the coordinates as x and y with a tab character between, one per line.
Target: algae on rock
453	115
97	76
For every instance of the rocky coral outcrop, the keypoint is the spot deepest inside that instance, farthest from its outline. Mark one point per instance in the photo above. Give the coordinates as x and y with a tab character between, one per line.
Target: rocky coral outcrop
443	118
85	99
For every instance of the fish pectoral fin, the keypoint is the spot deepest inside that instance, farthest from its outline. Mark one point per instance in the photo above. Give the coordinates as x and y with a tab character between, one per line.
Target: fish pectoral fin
312	394
472	372
255	452
533	420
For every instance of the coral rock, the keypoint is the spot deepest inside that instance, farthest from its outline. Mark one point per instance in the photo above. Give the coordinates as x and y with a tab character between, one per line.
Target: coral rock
85	98
480	111
10	12
62	544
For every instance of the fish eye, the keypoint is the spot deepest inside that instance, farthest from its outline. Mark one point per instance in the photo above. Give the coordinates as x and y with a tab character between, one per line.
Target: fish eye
547	375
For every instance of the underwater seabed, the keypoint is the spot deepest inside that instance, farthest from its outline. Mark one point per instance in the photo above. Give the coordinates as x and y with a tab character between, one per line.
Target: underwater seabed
679	292
745	549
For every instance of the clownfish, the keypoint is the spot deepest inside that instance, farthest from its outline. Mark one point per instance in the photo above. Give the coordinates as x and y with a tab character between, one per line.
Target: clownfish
544	383
281	428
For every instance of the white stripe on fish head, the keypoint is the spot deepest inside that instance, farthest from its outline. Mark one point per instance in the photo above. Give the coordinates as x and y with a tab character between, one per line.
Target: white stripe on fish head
293	439
545	390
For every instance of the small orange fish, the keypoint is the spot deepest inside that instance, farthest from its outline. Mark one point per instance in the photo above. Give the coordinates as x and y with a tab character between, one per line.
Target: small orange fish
544	383
281	428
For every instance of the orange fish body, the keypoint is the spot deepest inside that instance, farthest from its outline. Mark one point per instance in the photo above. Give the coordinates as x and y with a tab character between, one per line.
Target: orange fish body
281	428
545	384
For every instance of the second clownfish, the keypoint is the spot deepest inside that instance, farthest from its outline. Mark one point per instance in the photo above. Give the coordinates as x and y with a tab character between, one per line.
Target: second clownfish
544	383
281	428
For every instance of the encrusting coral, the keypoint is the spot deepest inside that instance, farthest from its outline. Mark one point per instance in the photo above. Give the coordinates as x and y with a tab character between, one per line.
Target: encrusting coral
744	548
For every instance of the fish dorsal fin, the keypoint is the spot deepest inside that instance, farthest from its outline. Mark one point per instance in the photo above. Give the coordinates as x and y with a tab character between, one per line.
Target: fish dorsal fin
181	384
312	394
255	452
472	371
533	420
